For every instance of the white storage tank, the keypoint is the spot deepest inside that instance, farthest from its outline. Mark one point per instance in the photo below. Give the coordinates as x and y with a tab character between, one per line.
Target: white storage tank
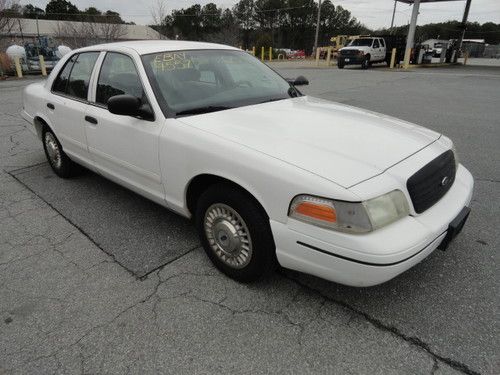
16	51
62	50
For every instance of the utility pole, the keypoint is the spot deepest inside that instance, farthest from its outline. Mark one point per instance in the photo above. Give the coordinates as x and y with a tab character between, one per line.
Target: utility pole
464	27
21	29
393	14
411	32
317	27
38	35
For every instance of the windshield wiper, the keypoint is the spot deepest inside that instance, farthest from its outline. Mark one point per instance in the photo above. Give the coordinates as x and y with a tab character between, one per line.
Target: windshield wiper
200	110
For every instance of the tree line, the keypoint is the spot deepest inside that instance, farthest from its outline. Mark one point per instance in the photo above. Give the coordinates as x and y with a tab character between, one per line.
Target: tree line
291	24
489	31
278	23
62	10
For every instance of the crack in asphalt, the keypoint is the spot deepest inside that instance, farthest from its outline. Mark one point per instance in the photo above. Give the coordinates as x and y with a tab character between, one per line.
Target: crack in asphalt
22	169
80	229
13	174
377	323
486	180
160	267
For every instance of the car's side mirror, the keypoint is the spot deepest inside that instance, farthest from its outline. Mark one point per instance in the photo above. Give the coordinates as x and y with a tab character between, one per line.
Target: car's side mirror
299	81
128	105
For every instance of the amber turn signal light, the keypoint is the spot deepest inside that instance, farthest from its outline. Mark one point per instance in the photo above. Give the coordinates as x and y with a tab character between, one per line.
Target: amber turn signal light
317	211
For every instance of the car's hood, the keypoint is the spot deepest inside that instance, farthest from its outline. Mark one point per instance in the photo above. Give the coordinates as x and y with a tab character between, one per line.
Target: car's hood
341	143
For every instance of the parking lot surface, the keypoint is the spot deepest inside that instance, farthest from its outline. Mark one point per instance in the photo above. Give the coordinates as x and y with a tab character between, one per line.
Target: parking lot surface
95	279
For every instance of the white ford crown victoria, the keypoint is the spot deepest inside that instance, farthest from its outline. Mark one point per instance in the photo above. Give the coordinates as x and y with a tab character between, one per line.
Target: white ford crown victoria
270	176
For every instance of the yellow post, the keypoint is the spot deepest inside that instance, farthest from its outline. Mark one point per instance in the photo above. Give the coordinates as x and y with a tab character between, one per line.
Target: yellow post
253	50
270	53
466	56
42	65
393	58
328	56
317	56
19	71
406	63
262	53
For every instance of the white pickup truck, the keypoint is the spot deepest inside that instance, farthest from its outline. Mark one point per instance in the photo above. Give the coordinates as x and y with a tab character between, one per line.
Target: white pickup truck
364	52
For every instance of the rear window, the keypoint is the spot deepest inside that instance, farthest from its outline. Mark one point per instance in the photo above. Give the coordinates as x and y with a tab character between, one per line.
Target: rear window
74	78
61	82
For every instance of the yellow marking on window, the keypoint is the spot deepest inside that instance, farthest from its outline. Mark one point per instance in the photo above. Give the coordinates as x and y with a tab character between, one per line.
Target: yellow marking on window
172	61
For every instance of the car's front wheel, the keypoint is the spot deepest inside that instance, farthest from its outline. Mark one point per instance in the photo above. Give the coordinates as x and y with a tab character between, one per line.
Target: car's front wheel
235	233
61	164
365	63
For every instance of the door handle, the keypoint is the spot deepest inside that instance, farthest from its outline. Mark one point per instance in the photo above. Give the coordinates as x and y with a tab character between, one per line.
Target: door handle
91	119
51	106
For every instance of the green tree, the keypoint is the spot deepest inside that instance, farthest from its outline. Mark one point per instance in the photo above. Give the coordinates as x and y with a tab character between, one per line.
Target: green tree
61	10
112	17
187	23
211	18
243	12
31	11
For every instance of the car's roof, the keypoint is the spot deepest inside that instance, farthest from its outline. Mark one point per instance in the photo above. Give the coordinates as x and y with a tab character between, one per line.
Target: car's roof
144	47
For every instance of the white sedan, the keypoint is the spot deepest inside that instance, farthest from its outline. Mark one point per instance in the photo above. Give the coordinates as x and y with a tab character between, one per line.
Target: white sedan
269	175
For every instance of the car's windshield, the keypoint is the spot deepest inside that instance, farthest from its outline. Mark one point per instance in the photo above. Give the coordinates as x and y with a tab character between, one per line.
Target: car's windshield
199	81
361	42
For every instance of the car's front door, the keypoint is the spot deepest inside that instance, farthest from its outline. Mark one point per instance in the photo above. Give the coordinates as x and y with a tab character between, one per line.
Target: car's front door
123	148
377	50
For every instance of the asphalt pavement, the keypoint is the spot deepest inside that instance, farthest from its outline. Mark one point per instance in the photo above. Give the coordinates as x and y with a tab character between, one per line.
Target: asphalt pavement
95	279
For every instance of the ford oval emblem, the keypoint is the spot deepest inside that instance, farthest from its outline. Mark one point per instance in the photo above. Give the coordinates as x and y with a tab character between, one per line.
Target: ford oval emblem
445	181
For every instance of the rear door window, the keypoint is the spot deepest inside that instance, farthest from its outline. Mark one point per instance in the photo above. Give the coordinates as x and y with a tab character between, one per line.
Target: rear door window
78	85
118	76
73	80
61	83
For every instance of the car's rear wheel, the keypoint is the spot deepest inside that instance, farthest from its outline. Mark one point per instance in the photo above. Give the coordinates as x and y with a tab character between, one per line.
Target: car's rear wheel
61	164
235	233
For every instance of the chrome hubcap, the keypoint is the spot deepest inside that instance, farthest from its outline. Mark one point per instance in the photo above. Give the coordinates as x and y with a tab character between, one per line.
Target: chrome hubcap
53	150
228	235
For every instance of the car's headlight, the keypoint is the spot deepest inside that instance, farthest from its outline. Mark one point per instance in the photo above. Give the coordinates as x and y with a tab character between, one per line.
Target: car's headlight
355	217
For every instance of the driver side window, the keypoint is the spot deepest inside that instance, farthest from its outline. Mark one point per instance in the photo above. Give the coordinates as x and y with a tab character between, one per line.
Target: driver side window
375	44
118	76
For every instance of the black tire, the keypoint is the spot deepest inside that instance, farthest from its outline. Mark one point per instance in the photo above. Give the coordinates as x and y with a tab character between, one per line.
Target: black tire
340	64
64	167
366	62
262	259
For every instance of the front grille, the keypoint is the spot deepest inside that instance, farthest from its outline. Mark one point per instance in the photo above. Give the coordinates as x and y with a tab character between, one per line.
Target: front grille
349	52
431	183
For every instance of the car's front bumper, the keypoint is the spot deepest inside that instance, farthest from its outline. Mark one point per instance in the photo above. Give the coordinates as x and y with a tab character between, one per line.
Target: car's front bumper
352	60
376	257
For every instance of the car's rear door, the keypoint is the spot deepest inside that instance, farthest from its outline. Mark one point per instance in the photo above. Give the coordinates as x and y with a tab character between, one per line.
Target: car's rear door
68	102
124	148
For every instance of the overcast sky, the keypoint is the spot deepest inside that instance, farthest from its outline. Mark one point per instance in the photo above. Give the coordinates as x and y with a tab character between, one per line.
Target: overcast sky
373	13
